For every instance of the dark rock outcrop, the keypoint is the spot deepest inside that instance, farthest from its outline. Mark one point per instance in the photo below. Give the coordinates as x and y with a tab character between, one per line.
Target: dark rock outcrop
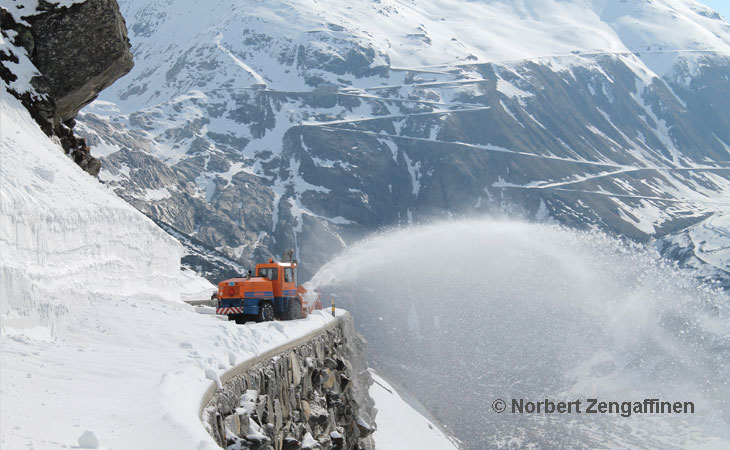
78	51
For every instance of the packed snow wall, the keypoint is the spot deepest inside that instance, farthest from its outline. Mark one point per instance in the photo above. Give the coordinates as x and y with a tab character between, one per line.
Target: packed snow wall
65	238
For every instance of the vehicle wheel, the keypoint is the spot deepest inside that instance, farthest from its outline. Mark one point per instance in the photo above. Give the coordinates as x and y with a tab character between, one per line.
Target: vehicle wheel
295	310
240	319
266	312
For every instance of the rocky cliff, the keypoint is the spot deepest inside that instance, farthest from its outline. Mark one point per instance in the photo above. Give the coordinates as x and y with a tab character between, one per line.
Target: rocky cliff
311	396
71	51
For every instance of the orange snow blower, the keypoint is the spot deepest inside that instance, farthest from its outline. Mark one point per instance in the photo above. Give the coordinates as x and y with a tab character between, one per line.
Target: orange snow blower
272	292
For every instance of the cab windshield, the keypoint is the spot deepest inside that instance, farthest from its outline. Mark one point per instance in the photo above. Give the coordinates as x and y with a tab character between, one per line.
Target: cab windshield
272	273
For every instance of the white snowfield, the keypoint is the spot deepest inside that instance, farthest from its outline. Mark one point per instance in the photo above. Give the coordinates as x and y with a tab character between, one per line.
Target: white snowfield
411	34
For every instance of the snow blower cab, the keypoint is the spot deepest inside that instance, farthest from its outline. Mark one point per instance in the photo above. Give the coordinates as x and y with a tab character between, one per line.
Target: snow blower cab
271	292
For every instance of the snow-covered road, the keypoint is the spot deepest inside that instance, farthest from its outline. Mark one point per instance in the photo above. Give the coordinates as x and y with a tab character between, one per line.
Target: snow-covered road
132	372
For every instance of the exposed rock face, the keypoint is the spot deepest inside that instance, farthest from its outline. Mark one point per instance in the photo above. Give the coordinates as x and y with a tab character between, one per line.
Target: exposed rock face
314	396
78	51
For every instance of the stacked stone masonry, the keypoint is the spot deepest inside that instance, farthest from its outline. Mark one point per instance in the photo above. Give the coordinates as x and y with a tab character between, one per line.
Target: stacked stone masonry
313	396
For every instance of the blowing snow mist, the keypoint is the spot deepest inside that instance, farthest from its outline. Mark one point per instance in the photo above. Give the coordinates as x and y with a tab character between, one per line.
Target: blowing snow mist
464	313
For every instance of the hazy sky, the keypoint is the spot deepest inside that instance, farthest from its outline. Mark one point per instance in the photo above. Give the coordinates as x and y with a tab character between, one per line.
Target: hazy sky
721	6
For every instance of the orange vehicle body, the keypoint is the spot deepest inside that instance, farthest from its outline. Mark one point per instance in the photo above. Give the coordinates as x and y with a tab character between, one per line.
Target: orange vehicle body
272	292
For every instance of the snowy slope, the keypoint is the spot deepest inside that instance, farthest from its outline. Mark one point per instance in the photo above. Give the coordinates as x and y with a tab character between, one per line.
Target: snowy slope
224	37
193	62
400	426
97	350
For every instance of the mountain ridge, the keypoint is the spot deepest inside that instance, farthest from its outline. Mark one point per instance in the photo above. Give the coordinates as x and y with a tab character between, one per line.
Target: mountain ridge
308	124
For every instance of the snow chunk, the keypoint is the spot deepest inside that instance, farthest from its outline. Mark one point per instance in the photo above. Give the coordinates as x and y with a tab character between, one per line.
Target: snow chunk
88	440
308	441
213	376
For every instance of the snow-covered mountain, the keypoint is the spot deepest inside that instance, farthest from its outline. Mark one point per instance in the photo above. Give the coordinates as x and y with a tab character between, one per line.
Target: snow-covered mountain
251	127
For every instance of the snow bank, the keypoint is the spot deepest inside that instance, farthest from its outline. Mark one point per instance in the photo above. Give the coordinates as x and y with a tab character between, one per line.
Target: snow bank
194	287
96	348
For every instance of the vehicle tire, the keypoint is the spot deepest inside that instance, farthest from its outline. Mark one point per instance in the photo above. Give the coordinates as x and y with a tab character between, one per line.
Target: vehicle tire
240	319
266	312
295	310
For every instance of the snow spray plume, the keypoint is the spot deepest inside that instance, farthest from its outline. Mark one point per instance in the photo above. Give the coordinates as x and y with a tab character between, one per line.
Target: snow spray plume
463	313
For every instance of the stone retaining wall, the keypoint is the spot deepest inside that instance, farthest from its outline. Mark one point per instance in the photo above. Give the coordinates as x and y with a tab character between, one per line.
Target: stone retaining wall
311	396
